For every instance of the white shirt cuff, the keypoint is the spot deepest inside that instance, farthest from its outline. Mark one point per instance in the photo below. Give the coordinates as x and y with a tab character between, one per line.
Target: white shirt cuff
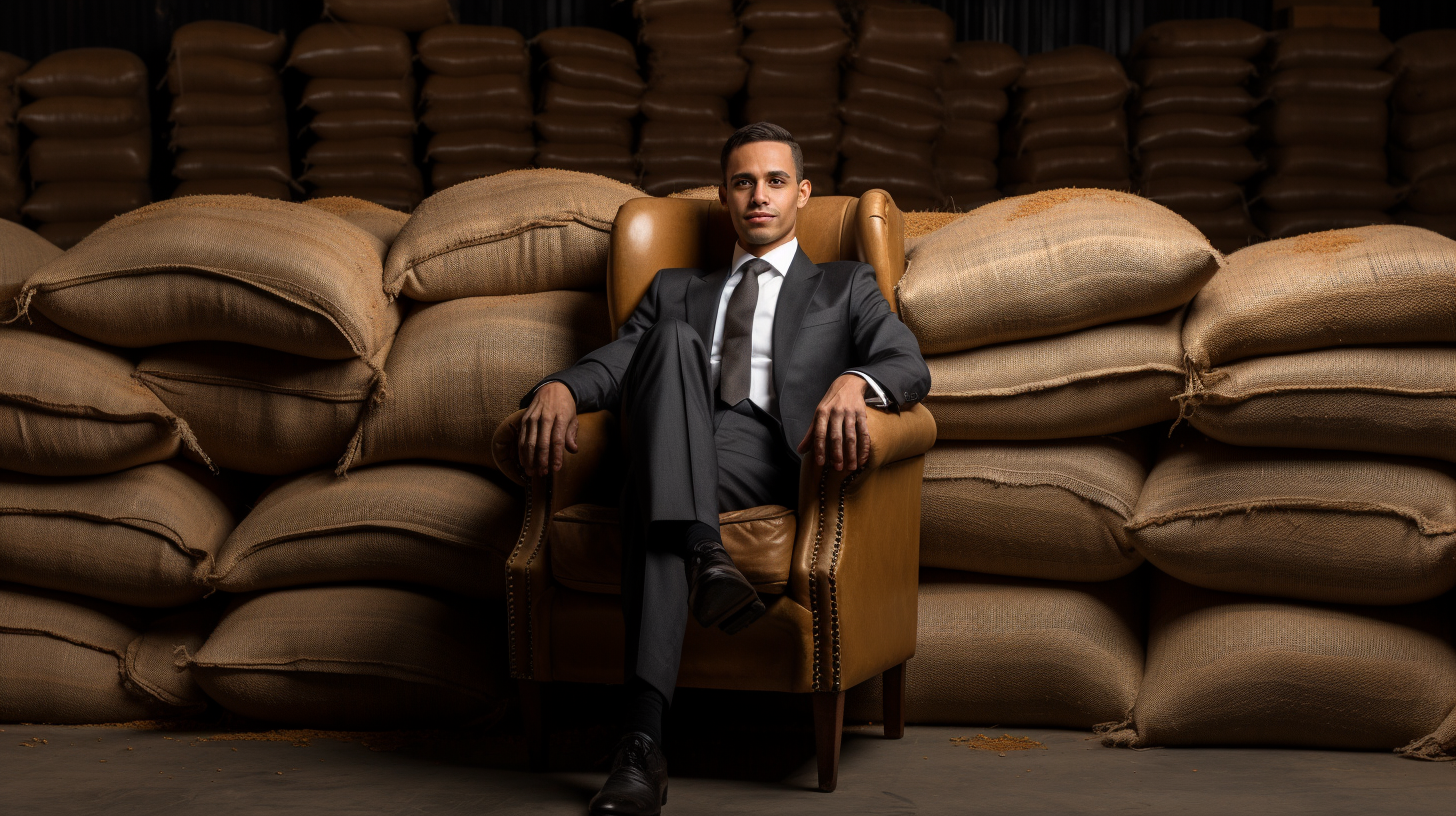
879	400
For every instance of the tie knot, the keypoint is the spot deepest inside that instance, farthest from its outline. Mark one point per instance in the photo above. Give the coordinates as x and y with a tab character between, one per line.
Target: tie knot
756	267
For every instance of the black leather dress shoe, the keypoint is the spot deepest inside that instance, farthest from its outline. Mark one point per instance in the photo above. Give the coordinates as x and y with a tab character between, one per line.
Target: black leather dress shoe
637	785
718	593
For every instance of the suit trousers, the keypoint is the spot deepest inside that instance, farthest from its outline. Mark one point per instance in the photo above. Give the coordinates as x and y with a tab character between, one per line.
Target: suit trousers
690	457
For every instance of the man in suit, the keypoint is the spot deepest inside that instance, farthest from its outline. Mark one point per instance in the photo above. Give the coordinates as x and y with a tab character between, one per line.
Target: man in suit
725	379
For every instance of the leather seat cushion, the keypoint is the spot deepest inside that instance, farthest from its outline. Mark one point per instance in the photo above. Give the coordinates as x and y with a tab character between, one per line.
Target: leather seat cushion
586	546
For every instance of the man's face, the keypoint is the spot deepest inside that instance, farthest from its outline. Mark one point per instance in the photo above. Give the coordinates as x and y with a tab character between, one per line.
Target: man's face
762	196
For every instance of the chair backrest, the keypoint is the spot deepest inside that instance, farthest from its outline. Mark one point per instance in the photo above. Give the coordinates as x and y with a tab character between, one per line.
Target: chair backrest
661	233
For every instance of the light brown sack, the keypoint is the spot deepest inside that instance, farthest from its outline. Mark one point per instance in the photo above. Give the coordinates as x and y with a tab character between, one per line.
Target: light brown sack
85	200
1354	287
142	537
445	174
21	253
1234	670
1362	164
449	117
69	409
114	158
268	138
379	150
911	30
381	222
1018	652
207	165
230	268
1332	84
583	41
1328	48
1214	72
206	73
1185	195
515	233
564	100
262	188
1070	99
67	659
1231	164
494	90
226	109
1316	525
1192	130
324	95
226	39
1200	38
406	15
352	51
1052	510
1094	381
473	50
421	523
982	65
1194	99
109	72
1277	225
355	657
1075	63
66	234
85	116
393	198
498	349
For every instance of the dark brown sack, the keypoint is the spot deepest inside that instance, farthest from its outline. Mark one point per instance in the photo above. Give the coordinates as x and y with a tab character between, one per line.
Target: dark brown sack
335	176
1073	64
607	130
1194	99
899	94
1073	131
1070	99
1425	97
787	79
1200	38
982	66
391	197
85	200
1185	195
686	136
206	165
1185	71
693	33
915	31
1423	56
1068	162
882	117
247	138
1328	48
670	184
1336	162
109	72
1443	224
1025	188
407	15
213	74
922	72
790	14
565	100
1290	224
613	161
381	150
715	74
1338	84
820	140
966	138
444	174
325	95
352	51
858	143
982	106
1232	164
471	50
962	174
260	188
1289	193
11	67
906	183
220	38
118	158
495	90
581	41
775	108
66	234
1423	131
85	116
223	109
1429	163
1435	196
1232	222
449	117
475	146
596	74
825	46
363	124
669	107
1192	130
1337	124
648	10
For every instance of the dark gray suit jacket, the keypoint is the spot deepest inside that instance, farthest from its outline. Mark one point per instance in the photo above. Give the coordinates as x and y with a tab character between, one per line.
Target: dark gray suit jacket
830	318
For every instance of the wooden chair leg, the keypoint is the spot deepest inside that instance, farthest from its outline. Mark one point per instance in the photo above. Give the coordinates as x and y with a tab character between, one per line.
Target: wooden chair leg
828	732
533	716
893	698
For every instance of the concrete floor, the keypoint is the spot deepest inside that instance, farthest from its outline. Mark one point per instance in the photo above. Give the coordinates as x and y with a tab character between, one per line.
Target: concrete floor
724	763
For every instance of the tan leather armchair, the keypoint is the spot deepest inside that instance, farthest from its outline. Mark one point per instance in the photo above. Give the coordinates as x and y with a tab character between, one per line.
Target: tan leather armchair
838	573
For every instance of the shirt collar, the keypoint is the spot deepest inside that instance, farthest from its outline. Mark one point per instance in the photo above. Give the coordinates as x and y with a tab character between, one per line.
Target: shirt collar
780	258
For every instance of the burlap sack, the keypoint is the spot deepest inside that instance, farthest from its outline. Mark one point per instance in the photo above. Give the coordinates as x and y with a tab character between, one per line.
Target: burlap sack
473	50
448	117
692	33
209	165
66	234
85	116
609	161
496	349
381	222
1443	224
85	200
395	198
86	72
668	107
902	94
403	177
976	105
324	94
1328	47
445	174
227	39
1194	99
568	101
983	65
1052	510
1432	197
790	14
1333	123
908	31
792	80
1075	63
493	90
1072	99
1071	131
231	268
977	139
352	51
715	74
1107	162
1192	130
1084	383
270	138
262	188
355	657
596	130
822	46
1334	84
226	75
1387	284
584	41
1200	38
1178	72
1233	670
1426	96
1423	164
1050	263
1277	225
1231	164
1315	525
923	72
1424	55
67	659
364	124
202	109
381	150
409	15
21	253
421	523
592	73
1423	131
1016	652
109	158
142	537
515	233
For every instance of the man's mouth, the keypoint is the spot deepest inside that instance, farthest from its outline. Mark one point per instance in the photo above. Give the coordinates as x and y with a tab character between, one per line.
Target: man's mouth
759	217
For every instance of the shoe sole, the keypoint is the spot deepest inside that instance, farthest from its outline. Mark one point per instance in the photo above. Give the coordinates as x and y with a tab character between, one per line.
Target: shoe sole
737	622
746	597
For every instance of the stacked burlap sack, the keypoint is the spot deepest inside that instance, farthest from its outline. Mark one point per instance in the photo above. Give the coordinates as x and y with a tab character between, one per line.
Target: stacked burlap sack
1068	127
1320	371
229	126
693	69
1323	126
589	98
477	102
12	190
891	105
1424	128
1192	125
91	157
973	90
361	89
793	49
1051	325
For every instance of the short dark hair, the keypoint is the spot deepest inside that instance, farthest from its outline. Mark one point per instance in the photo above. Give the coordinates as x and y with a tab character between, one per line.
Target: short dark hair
764	132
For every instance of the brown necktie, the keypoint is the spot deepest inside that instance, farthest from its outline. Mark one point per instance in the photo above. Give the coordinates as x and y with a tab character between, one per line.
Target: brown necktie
735	371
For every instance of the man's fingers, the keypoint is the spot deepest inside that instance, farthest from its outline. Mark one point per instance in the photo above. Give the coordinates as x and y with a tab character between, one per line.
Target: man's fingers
804	443
543	445
836	440
558	445
851	443
821	427
526	447
862	424
571	435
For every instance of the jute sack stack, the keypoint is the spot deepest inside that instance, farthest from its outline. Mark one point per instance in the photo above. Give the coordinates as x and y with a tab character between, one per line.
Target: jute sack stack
596	65
12	190
974	87
92	154
430	524
1314	525
477	102
405	15
892	110
1068	125
1018	652
362	92
228	119
21	253
1325	131
1236	670
355	657
1192	122
692	49
1424	127
69	659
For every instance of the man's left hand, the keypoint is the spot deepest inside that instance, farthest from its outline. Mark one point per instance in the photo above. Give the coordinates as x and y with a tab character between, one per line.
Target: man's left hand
840	433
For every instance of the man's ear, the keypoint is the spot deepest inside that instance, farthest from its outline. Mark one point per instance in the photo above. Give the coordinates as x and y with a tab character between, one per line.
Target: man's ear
723	195
806	187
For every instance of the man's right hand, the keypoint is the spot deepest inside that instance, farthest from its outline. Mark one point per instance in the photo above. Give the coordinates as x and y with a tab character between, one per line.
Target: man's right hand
548	430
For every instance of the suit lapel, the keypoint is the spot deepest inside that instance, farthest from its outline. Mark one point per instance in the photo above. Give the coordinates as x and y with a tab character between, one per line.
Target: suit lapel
794	298
702	303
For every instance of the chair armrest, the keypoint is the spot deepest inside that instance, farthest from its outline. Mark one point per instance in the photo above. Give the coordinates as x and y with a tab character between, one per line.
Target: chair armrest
857	553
